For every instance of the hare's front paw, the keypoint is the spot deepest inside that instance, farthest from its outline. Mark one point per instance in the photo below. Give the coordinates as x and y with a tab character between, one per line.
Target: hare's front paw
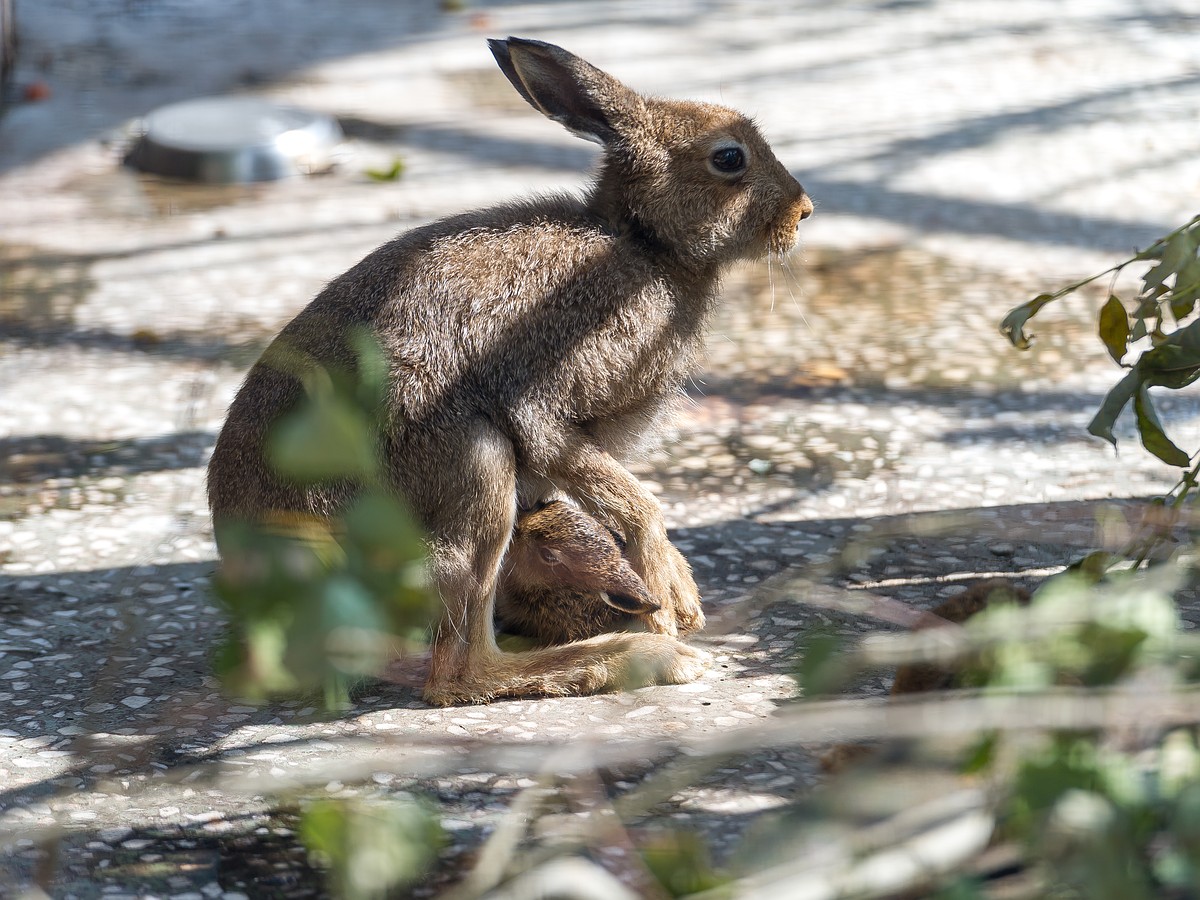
669	578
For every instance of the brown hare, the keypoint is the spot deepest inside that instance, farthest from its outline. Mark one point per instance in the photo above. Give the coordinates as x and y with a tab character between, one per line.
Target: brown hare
530	346
566	578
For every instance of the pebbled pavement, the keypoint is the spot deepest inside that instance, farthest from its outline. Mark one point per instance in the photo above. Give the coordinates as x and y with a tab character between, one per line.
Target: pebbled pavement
963	155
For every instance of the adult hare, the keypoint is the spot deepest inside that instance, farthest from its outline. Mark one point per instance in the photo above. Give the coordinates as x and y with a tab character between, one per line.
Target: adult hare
530	346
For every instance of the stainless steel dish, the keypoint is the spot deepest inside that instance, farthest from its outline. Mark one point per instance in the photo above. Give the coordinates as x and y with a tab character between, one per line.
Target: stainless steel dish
231	140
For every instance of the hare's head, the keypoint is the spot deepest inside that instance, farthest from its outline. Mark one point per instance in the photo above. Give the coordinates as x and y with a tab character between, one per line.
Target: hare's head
557	545
694	179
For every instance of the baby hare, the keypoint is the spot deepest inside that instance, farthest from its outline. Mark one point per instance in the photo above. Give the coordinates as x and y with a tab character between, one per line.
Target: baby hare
530	346
566	578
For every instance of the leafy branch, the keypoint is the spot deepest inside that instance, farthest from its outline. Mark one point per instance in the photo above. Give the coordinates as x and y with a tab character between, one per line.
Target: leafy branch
1157	315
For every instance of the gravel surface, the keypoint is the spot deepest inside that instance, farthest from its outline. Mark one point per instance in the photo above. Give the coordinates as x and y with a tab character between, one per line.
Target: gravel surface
963	157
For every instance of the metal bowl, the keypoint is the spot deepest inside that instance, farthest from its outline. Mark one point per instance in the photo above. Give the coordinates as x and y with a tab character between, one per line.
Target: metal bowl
232	140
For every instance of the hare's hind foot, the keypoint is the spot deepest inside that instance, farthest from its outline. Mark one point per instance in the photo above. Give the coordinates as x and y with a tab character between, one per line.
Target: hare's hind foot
606	663
669	578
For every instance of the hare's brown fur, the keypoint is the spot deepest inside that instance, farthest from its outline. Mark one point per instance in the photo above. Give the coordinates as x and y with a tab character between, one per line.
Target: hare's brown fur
530	346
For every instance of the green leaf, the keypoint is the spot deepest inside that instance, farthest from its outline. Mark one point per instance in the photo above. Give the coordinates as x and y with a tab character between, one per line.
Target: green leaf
1189	276
823	665
1113	652
1175	362
347	604
386	550
1180	249
1044	776
1114	328
1185	825
1154	438
384	526
1094	566
680	862
1116	400
370	847
323	440
372	372
981	755
1013	325
1187	290
391	173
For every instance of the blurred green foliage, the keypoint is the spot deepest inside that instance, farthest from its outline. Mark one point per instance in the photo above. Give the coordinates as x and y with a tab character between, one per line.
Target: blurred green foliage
680	862
394	172
370	848
315	606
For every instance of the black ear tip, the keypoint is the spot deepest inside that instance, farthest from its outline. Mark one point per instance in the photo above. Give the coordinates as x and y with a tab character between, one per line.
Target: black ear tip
528	44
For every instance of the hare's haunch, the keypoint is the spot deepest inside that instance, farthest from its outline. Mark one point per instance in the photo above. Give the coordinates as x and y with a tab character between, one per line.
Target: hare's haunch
530	346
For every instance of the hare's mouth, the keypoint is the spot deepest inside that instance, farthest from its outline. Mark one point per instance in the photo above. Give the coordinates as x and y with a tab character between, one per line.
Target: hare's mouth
786	235
781	242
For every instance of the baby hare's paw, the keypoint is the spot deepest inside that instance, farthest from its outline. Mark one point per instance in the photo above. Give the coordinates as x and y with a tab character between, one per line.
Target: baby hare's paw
669	578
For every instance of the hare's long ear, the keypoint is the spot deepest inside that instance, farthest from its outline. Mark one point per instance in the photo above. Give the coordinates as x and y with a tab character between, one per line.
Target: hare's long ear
567	89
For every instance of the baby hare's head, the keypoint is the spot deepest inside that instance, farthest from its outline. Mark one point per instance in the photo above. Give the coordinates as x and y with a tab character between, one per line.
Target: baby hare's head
558	545
693	179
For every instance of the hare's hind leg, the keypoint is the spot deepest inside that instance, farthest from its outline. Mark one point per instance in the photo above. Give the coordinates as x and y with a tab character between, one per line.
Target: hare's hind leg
464	485
470	507
607	489
604	663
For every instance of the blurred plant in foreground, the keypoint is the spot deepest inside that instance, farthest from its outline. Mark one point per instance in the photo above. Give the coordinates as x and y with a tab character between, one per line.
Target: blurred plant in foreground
370	847
1064	764
314	606
1075	722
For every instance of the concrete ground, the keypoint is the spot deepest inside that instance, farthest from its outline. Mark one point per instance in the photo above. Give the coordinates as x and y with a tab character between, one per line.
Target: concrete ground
964	155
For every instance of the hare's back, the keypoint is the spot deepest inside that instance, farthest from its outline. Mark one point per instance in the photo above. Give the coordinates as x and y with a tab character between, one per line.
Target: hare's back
505	295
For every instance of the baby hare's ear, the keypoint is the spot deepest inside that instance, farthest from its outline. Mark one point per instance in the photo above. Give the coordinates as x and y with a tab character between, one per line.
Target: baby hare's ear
567	89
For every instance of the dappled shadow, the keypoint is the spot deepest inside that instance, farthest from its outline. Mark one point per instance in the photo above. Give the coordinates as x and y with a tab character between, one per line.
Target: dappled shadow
35	457
1028	222
229	55
310	34
471	144
258	854
165	343
144	637
130	616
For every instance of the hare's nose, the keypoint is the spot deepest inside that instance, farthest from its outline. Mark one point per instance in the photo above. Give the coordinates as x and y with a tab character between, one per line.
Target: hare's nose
805	206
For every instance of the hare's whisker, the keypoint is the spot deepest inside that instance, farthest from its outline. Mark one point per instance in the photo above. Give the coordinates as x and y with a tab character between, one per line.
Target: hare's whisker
771	279
789	274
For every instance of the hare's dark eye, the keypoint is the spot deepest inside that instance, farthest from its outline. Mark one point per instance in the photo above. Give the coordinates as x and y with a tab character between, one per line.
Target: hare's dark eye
729	159
550	556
